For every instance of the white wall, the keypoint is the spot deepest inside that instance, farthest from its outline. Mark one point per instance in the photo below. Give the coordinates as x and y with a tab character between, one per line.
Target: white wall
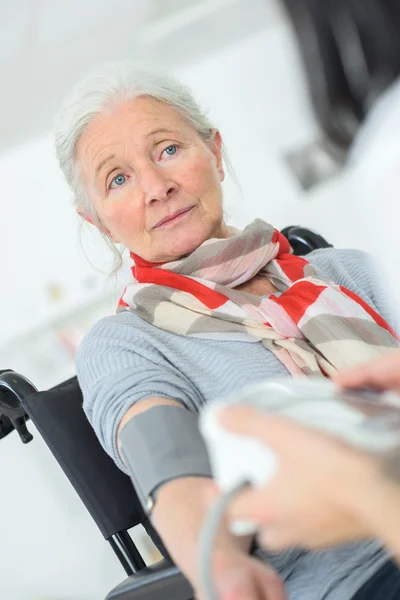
38	241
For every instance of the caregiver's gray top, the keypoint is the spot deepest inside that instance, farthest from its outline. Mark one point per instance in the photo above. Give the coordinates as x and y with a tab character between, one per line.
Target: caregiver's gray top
123	359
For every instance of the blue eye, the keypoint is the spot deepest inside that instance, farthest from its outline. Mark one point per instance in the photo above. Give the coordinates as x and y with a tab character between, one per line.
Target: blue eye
171	150
118	181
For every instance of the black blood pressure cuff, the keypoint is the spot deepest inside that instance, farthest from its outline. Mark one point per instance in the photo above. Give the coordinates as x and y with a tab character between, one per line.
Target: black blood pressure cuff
162	444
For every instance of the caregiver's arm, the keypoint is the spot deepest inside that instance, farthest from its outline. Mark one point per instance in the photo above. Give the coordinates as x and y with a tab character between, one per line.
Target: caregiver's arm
380	507
325	491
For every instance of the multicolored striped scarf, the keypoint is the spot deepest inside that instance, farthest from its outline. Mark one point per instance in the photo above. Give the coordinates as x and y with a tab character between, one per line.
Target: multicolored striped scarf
313	326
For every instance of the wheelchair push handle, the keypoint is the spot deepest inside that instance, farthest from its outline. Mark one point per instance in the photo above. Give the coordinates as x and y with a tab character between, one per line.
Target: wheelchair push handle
13	389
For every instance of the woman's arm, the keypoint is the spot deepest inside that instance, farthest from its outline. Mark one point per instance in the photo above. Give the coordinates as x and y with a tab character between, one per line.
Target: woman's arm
180	508
134	395
178	516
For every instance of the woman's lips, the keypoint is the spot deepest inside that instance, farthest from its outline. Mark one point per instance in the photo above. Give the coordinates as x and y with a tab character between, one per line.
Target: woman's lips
174	218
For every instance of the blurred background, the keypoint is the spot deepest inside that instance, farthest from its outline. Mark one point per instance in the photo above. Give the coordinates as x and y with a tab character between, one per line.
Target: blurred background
295	88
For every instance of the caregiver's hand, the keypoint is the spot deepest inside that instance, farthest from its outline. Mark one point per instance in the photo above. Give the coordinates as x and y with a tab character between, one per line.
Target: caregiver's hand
313	500
240	577
381	374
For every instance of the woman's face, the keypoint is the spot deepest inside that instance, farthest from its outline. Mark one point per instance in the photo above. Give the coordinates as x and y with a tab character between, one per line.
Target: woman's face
154	183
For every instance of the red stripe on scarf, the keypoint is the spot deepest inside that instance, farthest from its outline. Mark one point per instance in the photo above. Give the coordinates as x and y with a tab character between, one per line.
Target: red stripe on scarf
122	301
141	262
298	298
144	272
292	266
284	246
372	313
210	298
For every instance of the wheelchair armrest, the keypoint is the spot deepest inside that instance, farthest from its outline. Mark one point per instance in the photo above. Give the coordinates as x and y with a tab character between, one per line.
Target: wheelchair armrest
157	582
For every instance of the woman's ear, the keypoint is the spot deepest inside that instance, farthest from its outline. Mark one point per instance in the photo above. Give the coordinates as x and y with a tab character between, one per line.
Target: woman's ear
85	216
216	148
98	225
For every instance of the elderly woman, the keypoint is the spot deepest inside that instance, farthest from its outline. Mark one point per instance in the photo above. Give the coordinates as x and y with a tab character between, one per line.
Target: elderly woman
208	310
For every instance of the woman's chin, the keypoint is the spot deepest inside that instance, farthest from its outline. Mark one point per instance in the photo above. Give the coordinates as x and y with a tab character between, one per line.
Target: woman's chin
181	241
184	243
181	250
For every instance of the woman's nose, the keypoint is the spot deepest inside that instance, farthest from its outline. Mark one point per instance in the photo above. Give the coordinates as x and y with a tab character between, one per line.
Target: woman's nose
156	186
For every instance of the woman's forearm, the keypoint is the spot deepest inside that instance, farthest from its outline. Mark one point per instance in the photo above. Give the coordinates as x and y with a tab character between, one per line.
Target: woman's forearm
178	517
180	509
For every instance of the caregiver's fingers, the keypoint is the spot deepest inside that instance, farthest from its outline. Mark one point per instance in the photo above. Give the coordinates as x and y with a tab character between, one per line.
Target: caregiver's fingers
383	373
277	538
252	504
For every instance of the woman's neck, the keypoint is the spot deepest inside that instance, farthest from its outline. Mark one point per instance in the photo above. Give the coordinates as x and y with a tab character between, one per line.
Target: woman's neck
222	233
259	286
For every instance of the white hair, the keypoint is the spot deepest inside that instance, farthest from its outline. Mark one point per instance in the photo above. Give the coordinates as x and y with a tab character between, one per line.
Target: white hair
106	89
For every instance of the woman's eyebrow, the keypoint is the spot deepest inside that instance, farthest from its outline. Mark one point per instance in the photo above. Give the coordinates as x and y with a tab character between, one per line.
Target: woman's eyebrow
158	130
102	163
